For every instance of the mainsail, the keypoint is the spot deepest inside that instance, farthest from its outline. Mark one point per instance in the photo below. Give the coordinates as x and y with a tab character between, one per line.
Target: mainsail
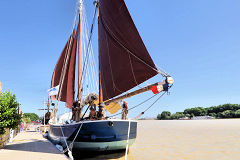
124	61
64	72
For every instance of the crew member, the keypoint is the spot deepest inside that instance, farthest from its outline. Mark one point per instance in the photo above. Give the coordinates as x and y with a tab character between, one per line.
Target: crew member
93	115
124	110
100	113
74	110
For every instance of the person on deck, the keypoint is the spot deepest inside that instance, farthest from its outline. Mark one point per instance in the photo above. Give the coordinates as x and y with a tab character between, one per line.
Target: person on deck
124	110
100	113
74	110
93	115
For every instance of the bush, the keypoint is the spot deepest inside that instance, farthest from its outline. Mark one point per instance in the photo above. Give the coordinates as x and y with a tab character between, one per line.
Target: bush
26	120
213	115
164	115
197	111
226	114
32	116
237	113
177	115
9	117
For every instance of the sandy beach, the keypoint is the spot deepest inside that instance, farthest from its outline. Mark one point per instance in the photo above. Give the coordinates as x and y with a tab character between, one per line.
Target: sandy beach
168	140
184	140
189	139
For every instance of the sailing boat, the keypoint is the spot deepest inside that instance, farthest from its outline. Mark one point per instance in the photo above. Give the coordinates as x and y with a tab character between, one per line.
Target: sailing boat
124	63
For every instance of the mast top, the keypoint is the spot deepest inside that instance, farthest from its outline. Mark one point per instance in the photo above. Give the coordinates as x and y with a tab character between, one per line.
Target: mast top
80	6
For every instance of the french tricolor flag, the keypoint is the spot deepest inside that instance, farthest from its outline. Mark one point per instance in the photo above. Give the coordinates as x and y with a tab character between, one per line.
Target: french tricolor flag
157	89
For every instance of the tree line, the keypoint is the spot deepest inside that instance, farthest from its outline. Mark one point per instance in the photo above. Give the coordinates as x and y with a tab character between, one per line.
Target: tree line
220	111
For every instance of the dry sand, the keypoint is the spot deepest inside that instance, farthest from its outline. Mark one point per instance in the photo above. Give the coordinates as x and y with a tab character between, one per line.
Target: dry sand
184	140
168	140
187	140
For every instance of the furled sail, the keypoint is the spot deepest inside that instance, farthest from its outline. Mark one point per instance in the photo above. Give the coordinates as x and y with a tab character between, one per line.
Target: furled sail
64	72
124	61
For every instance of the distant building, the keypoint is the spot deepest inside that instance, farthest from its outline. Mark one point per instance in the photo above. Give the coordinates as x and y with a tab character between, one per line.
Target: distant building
202	117
184	118
147	118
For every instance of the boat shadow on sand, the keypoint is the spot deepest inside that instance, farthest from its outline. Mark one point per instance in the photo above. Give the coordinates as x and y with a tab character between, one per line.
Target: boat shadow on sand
104	155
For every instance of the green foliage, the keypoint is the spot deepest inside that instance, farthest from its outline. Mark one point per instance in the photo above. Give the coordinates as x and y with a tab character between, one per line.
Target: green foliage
32	116
164	115
159	116
26	119
177	115
221	111
213	115
237	113
9	117
198	111
226	114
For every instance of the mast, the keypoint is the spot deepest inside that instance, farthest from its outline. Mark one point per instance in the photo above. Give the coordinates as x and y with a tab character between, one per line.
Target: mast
99	71
78	107
79	54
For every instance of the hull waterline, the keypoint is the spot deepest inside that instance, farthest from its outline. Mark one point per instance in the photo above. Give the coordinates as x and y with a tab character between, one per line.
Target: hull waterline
100	135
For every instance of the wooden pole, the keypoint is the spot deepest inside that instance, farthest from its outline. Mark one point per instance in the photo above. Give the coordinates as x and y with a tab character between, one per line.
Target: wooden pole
79	61
78	107
127	95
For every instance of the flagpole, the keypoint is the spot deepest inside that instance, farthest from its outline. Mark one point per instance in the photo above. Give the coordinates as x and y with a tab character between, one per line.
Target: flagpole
44	112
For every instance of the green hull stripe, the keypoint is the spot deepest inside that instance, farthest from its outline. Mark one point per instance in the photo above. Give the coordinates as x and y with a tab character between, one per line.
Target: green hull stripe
102	146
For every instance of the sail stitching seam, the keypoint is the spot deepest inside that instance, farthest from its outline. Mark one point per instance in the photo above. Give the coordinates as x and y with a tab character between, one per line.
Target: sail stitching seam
114	85
133	71
124	47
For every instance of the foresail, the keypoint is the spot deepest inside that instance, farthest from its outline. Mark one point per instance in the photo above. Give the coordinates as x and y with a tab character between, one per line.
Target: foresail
124	61
64	72
59	66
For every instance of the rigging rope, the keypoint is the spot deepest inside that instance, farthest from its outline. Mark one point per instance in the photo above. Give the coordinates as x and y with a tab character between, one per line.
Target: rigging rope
124	47
149	106
71	144
88	45
68	149
152	104
143	103
61	83
91	73
129	123
135	105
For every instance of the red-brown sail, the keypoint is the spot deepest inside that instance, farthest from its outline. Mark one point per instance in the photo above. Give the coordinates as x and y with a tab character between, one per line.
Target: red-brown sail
59	66
66	63
123	58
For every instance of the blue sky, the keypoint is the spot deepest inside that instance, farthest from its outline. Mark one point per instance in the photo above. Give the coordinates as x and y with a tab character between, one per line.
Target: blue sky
197	42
